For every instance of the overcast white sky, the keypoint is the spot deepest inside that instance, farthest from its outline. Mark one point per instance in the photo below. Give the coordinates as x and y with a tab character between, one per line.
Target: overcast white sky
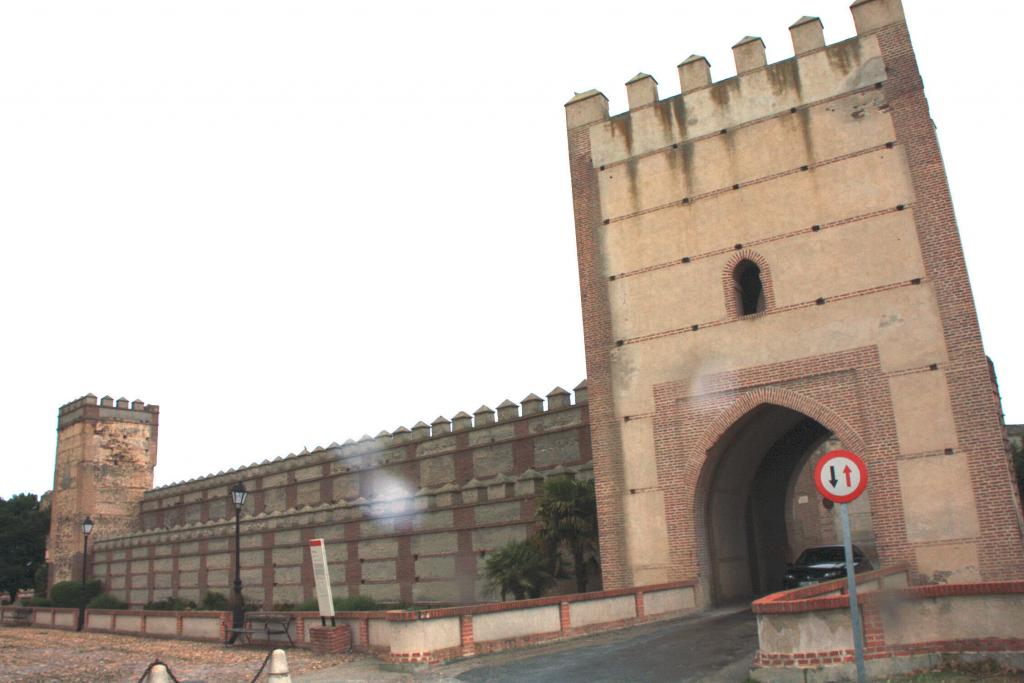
291	223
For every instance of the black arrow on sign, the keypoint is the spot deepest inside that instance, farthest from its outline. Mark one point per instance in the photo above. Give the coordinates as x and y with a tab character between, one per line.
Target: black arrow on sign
832	471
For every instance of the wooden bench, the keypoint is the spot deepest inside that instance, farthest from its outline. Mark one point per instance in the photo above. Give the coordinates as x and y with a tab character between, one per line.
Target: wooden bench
273	625
17	616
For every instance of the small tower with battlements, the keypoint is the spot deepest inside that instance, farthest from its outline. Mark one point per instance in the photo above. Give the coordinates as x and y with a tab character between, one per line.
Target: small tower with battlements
106	452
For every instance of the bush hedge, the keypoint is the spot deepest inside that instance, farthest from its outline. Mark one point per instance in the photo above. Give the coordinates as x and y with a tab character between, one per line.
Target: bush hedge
215	602
74	594
170	605
107	601
37	602
356	603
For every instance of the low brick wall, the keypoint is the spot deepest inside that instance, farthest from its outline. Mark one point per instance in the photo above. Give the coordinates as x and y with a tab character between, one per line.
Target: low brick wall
419	636
65	618
436	635
188	625
806	634
362	626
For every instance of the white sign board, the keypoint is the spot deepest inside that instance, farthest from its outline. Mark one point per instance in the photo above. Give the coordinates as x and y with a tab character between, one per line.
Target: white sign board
318	554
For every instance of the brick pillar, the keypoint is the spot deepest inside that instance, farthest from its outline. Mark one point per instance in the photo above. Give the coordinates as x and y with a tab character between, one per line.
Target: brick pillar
563	617
639	604
330	639
364	634
466	631
874	630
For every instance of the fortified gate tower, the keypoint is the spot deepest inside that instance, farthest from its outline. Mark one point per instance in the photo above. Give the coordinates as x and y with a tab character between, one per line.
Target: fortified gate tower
770	263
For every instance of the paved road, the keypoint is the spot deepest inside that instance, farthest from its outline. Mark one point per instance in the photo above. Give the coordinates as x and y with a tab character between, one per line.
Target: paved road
715	647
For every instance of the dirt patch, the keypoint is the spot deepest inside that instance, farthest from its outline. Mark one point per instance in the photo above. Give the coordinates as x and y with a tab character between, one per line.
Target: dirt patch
41	656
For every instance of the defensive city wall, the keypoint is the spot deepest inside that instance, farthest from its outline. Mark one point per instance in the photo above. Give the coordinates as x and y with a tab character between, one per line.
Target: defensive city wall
407	516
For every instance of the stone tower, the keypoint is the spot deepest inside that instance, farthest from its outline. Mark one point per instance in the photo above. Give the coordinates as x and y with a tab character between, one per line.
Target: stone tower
766	263
105	459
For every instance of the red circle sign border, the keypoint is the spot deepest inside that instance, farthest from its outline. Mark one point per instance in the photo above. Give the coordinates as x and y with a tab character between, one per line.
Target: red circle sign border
856	493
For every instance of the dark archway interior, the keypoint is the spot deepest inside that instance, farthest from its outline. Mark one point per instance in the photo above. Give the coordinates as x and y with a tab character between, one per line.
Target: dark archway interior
747	481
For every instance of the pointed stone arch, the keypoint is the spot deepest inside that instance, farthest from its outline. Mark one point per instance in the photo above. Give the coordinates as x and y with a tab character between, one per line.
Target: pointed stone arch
785	398
724	445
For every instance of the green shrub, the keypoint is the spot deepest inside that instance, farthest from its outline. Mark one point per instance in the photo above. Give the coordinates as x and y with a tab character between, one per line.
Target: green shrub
215	602
74	594
37	602
171	604
356	603
107	601
520	568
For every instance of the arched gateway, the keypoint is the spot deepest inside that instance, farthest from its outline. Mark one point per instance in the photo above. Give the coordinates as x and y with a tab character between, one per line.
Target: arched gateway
754	504
713	381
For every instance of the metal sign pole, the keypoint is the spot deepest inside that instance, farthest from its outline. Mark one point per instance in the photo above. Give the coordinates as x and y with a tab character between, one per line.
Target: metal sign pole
851	585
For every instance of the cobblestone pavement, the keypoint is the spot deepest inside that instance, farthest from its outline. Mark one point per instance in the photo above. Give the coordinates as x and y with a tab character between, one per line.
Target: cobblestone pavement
42	655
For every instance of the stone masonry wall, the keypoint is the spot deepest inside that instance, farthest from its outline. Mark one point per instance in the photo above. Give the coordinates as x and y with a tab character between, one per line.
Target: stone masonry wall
105	458
408	516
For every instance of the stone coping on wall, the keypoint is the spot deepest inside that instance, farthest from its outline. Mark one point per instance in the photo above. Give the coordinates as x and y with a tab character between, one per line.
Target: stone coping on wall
512	605
799	640
832	595
159	612
361	507
558	401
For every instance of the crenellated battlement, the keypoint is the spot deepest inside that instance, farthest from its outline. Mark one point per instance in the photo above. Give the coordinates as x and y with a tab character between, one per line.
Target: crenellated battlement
815	73
88	407
440	436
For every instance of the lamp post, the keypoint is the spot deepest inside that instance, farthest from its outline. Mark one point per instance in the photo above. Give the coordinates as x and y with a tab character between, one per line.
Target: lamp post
86	530
238	493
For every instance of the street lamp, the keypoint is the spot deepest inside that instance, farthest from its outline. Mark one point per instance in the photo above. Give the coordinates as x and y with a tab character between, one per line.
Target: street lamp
238	493
86	530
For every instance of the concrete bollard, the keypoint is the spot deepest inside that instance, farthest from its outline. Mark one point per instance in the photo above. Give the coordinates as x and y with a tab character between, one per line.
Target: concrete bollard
158	674
278	671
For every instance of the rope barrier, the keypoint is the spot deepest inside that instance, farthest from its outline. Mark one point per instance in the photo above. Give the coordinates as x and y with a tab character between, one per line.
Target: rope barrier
145	674
262	666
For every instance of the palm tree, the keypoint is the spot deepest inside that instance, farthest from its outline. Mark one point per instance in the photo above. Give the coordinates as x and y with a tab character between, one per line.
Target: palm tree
520	568
567	513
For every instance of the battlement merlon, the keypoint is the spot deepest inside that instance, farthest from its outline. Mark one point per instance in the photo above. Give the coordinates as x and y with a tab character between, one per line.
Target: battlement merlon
88	407
533	407
590	107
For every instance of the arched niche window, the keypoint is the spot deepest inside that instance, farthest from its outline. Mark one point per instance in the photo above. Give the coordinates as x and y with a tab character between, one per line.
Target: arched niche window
749	288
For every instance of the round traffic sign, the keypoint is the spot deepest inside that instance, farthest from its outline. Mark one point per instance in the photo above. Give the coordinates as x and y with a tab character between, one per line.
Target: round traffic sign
841	476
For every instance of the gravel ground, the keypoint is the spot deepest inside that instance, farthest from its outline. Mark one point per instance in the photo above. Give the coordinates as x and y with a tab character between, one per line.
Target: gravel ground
42	655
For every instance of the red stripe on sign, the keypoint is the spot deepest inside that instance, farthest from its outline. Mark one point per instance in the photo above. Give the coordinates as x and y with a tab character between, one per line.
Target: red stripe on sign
316	541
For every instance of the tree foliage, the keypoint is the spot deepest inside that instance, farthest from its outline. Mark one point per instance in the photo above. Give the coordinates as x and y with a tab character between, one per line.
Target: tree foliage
23	530
567	514
521	568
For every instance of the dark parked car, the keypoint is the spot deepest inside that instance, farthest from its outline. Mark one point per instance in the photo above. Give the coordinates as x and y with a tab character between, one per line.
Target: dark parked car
823	563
